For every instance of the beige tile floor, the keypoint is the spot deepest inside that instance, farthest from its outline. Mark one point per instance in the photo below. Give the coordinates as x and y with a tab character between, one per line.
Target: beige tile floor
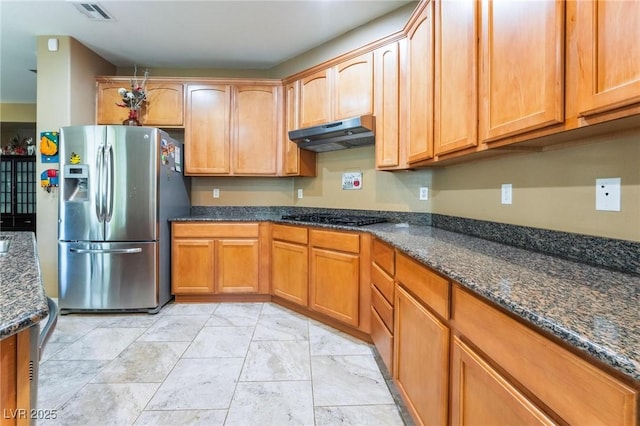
211	364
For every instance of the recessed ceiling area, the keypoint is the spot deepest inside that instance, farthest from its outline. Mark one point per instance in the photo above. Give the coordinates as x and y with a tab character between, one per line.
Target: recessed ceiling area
176	34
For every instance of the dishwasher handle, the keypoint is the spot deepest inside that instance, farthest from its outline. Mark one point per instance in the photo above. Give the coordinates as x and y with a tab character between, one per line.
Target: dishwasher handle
47	330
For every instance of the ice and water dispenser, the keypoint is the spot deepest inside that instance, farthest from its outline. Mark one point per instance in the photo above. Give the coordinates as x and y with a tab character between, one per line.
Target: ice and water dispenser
76	182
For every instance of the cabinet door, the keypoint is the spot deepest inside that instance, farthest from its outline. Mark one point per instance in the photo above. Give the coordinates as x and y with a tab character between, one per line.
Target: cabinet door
481	396
609	54
292	122
387	105
165	104
566	383
107	112
335	284
18	353
257	130
192	266
296	161
456	76
238	264
315	99
353	87
206	130
421	359
420	82
521	78
290	271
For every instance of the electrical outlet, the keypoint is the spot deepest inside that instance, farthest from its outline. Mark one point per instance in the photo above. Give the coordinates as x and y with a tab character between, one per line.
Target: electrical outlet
608	194
424	193
216	193
506	193
300	194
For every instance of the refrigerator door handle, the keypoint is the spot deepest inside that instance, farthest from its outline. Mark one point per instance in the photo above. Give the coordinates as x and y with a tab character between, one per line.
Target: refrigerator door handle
99	191
106	251
109	184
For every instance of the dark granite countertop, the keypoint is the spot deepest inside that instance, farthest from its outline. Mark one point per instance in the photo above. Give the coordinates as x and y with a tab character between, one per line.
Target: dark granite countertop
22	299
594	309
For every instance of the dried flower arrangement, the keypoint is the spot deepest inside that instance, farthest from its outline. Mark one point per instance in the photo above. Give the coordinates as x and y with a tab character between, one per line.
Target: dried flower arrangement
133	97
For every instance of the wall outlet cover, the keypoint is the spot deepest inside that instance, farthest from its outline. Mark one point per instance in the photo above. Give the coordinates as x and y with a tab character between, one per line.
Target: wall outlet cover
608	194
424	193
300	193
507	196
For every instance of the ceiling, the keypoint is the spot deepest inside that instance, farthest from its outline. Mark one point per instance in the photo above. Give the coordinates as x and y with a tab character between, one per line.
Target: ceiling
236	34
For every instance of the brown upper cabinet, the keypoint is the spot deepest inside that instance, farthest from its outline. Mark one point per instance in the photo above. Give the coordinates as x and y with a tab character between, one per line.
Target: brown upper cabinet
388	61
609	55
419	82
506	76
462	79
522	67
257	129
164	106
233	129
456	76
342	91
207	129
296	161
315	99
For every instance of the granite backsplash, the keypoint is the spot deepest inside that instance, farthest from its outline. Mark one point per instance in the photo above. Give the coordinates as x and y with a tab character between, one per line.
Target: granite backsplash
619	255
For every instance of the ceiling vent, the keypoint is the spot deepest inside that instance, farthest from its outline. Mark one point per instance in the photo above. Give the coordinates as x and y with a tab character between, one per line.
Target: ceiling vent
93	11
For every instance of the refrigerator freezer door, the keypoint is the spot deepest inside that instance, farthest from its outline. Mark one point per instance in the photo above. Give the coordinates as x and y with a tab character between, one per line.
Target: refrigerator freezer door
79	216
103	276
131	163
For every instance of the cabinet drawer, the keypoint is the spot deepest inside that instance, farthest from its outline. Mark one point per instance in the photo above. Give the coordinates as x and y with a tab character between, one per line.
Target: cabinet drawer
340	241
384	309
383	282
293	234
383	339
384	256
576	390
431	289
215	230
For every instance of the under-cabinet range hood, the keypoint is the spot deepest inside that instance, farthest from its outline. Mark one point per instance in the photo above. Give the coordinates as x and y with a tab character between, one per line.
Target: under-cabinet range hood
349	133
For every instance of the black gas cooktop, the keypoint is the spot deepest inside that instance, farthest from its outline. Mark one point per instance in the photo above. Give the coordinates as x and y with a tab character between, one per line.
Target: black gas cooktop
334	219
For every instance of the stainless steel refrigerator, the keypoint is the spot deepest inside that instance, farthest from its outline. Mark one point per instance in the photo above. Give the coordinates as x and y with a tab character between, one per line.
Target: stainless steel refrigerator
118	186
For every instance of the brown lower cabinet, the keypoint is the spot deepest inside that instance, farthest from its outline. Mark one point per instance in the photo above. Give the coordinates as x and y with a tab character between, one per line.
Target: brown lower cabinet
334	279
290	263
382	299
421	359
421	341
319	272
565	386
218	258
481	396
19	377
460	360
455	357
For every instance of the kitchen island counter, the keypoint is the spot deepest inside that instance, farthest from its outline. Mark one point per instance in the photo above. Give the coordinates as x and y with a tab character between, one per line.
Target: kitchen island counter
22	298
593	309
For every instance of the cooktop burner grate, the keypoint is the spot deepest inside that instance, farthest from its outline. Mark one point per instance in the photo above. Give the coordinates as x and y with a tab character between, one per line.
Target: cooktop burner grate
332	219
